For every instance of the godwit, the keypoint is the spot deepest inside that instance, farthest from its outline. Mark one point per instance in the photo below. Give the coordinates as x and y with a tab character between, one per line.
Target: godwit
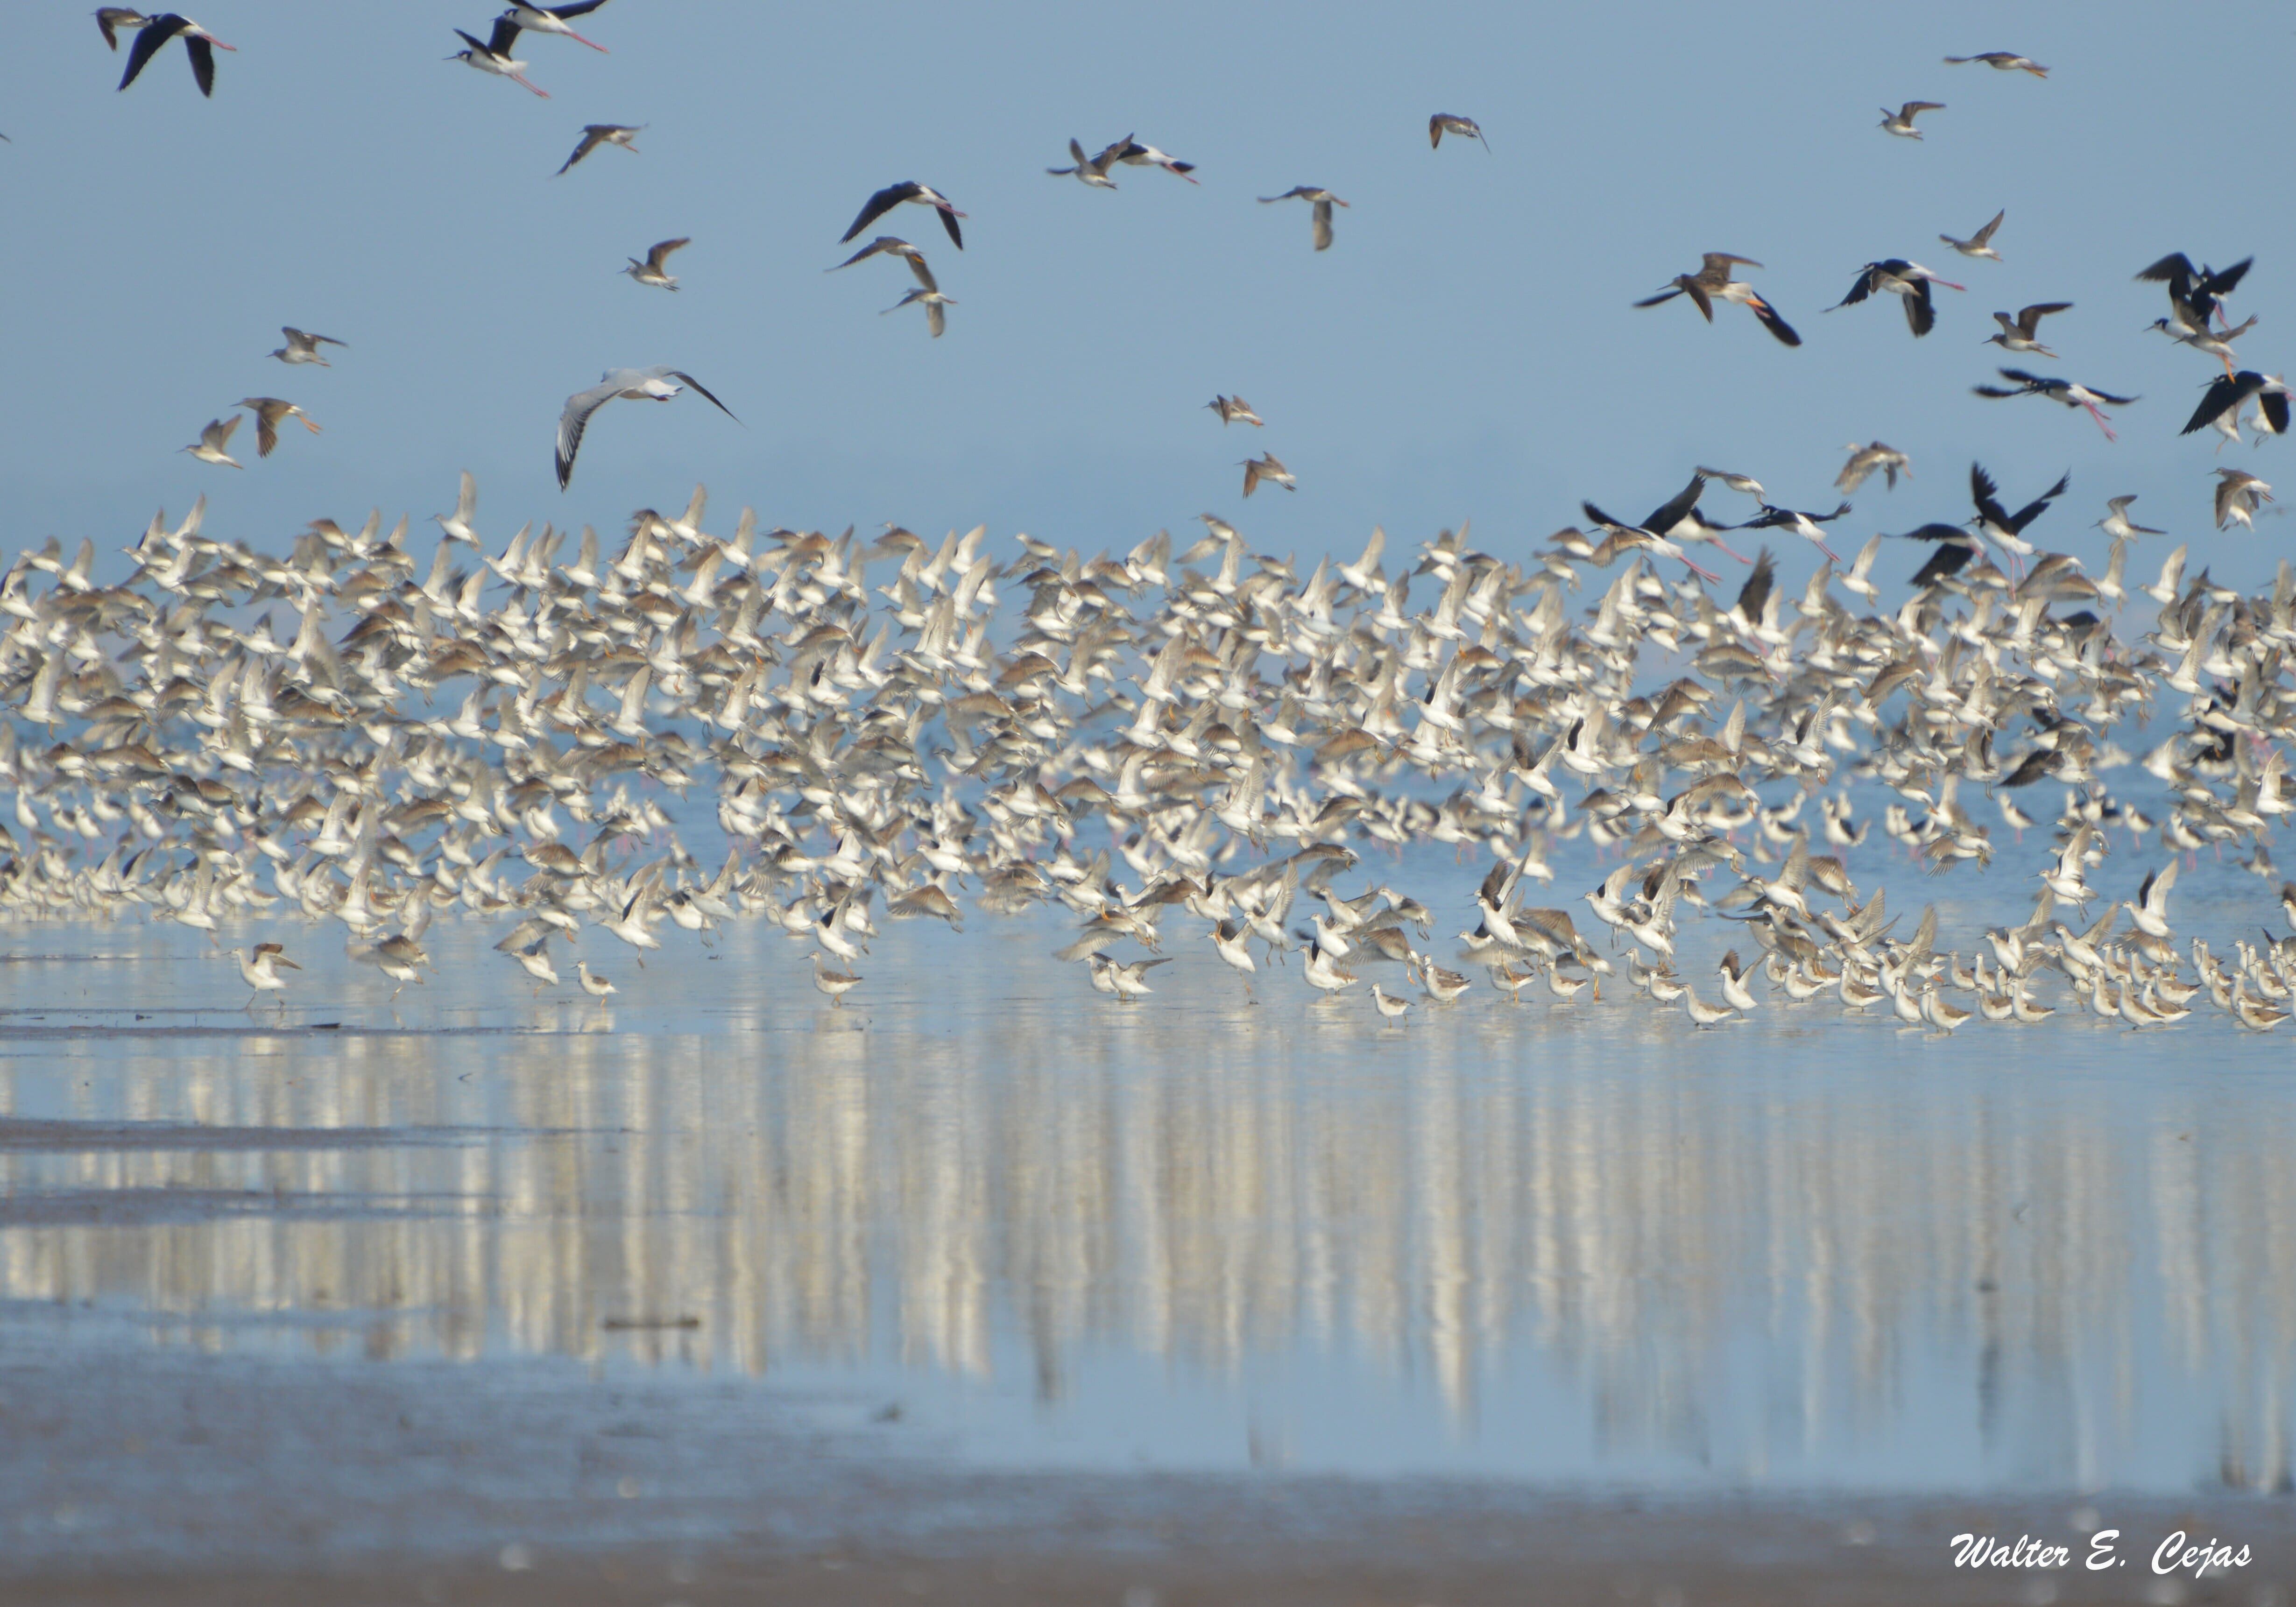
2002	61
153	32
494	55
2225	397
1322	200
1712	283
268	411
1910	280
1980	243
2058	390
552	20
1450	122
1900	122
639	385
210	448
304	348
2021	333
652	270
892	195
594	134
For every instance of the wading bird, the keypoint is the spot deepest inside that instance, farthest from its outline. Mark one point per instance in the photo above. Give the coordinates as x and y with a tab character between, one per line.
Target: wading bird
1322	200
304	348
154	32
1910	280
1449	122
892	195
653	270
2057	389
494	55
594	134
1900	122
1979	244
552	20
1712	283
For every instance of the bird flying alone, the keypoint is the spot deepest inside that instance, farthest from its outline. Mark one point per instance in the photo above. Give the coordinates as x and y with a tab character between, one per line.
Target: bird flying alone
2058	390
594	134
1979	244
494	55
2020	333
214	443
1451	122
1266	467
935	305
303	347
1713	283
153	32
269	410
1234	410
1322	200
1134	154
639	384
892	195
2002	61
652	271
1900	122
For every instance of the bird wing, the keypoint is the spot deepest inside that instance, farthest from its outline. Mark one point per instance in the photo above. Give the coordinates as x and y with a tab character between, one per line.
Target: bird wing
2220	395
505	37
1716	264
2275	404
1697	293
1776	325
1664	295
883	202
1947	560
663	249
1911	108
948	222
1434	123
936	319
590	139
2029	317
1986	495
2223	282
576	419
916	262
866	251
266	429
2040	505
697	388
1985	233
1669	514
1863	288
2174	269
148	41
580	8
1921	313
202	54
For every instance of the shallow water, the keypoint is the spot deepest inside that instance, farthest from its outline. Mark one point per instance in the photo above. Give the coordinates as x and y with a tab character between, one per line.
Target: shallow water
1038	1228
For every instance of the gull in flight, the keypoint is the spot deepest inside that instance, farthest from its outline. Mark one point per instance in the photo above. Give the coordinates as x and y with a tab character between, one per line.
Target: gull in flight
303	347
214	441
1324	201
494	55
153	32
640	385
892	195
652	270
268	411
1449	122
594	134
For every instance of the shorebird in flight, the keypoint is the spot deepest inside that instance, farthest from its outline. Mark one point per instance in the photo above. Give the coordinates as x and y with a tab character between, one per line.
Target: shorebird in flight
269	410
1876	459
1910	280
494	55
1979	244
1996	523
1804	525
2217	345
1234	410
1266	467
640	385
936	317
594	134
1091	170
1900	122
2003	60
117	20
2057	389
552	20
211	448
153	32
1657	531
2019	333
2239	495
2117	523
890	245
1450	122
304	348
2225	398
2195	293
652	271
1322	202
1712	283
1134	154
892	195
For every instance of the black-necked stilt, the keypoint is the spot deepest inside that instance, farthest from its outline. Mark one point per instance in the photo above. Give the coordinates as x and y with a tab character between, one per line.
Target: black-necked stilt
153	32
892	195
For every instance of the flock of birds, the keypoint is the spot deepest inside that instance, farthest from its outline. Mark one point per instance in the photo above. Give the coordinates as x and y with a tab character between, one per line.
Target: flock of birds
1232	734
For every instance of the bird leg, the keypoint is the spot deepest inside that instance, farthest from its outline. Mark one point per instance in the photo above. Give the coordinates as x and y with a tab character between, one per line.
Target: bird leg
2095	413
1694	570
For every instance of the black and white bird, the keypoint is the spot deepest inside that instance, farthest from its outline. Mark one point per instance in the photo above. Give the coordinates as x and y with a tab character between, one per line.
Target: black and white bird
1900	122
1451	122
2221	404
2057	389
1713	283
1979	244
153	32
1996	523
892	195
639	385
1910	280
2021	333
552	20
2195	294
1134	154
1322	200
493	56
1807	526
594	134
1670	524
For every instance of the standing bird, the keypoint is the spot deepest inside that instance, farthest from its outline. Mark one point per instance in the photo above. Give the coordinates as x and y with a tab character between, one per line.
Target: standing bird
304	348
1134	154
2058	390
1091	170
1712	283
1980	243
552	20
594	134
593	984
1900	122
1266	467
935	303
259	967
268	411
2225	398
2021	333
640	385
493	56
2002	61
115	19
199	43
652	270
1234	410
1450	122
1910	280
2239	495
892	195
1323	199
214	441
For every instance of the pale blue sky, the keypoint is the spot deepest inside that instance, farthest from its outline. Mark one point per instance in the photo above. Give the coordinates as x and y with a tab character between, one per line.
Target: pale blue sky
1465	348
